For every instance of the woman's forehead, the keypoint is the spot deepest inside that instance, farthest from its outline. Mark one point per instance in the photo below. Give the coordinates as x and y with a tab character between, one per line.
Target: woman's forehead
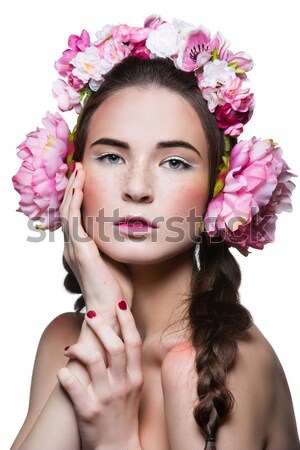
145	108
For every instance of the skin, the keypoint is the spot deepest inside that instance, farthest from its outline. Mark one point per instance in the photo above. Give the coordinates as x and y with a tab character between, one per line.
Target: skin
140	181
153	277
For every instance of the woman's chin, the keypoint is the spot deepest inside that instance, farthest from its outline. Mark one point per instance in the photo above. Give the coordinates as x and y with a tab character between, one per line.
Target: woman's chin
145	257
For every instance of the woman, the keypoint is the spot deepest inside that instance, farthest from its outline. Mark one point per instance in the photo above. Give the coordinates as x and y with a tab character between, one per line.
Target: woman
166	357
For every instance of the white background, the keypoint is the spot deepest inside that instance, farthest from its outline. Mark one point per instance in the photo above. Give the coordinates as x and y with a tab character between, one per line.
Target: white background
33	36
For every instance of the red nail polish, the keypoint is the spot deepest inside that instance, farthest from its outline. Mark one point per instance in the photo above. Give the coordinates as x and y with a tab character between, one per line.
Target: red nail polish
73	191
91	314
67	347
122	304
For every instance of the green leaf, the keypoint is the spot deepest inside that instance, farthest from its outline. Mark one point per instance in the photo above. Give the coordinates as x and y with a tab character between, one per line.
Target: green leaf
240	71
215	54
233	64
227	145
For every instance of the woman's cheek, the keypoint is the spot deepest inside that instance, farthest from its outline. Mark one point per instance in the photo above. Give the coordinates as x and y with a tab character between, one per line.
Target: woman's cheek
191	206
192	197
92	203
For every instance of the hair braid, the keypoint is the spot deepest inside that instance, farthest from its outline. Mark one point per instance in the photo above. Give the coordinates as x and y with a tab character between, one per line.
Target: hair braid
217	321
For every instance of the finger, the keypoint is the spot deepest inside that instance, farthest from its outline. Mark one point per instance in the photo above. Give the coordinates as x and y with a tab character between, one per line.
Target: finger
77	168
70	210
76	180
76	231
64	207
66	198
78	394
112	343
94	362
132	340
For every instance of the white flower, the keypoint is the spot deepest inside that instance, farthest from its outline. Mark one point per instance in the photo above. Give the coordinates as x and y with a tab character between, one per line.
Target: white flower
87	64
181	26
210	95
104	33
217	72
94	85
163	42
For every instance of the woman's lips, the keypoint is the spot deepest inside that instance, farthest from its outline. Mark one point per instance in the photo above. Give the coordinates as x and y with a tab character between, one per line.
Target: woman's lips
134	230
135	225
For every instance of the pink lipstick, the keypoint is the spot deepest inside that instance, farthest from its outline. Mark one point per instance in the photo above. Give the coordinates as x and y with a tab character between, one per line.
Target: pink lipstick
135	225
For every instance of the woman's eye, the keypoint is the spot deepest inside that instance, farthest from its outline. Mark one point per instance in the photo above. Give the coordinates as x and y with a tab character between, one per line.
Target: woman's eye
111	157
175	163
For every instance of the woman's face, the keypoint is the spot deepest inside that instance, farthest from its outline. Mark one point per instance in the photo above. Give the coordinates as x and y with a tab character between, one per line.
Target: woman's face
142	176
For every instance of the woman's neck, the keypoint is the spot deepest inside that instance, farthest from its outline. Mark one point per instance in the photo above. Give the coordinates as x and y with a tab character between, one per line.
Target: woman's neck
159	291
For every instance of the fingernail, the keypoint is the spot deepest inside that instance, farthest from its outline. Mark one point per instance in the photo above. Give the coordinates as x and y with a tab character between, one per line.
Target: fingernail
122	304
73	191
91	314
76	171
66	348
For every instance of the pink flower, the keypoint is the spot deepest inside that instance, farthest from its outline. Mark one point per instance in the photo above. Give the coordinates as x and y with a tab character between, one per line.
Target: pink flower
257	187
41	180
121	32
197	49
243	60
141	51
153	21
134	35
194	50
139	35
240	99
110	53
221	44
76	44
232	121
66	96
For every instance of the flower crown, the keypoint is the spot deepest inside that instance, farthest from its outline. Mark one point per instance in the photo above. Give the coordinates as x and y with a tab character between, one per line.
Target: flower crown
253	184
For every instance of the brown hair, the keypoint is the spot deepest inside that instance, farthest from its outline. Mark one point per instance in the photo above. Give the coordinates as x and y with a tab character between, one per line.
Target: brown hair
215	317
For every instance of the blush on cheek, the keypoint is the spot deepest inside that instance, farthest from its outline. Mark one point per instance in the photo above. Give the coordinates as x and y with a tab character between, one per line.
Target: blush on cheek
98	199
192	198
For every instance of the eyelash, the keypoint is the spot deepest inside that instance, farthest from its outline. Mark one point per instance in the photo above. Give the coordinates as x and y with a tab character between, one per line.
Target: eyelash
186	166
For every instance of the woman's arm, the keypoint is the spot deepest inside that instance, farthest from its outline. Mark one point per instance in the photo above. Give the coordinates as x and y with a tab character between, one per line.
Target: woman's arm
263	416
56	425
51	419
49	359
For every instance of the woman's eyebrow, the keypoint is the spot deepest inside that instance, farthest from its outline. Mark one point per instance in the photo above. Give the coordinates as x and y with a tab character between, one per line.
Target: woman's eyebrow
159	145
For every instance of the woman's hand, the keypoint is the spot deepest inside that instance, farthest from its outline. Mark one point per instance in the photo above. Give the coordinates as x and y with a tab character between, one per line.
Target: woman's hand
102	280
107	407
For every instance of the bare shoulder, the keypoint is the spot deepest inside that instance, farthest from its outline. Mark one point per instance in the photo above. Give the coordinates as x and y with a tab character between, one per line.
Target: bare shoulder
256	353
61	331
263	415
63	327
282	431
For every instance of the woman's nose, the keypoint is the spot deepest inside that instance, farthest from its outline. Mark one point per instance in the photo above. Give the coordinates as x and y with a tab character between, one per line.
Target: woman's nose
138	185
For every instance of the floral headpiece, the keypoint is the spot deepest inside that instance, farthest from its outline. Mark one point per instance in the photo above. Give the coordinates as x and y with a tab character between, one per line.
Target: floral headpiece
254	183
